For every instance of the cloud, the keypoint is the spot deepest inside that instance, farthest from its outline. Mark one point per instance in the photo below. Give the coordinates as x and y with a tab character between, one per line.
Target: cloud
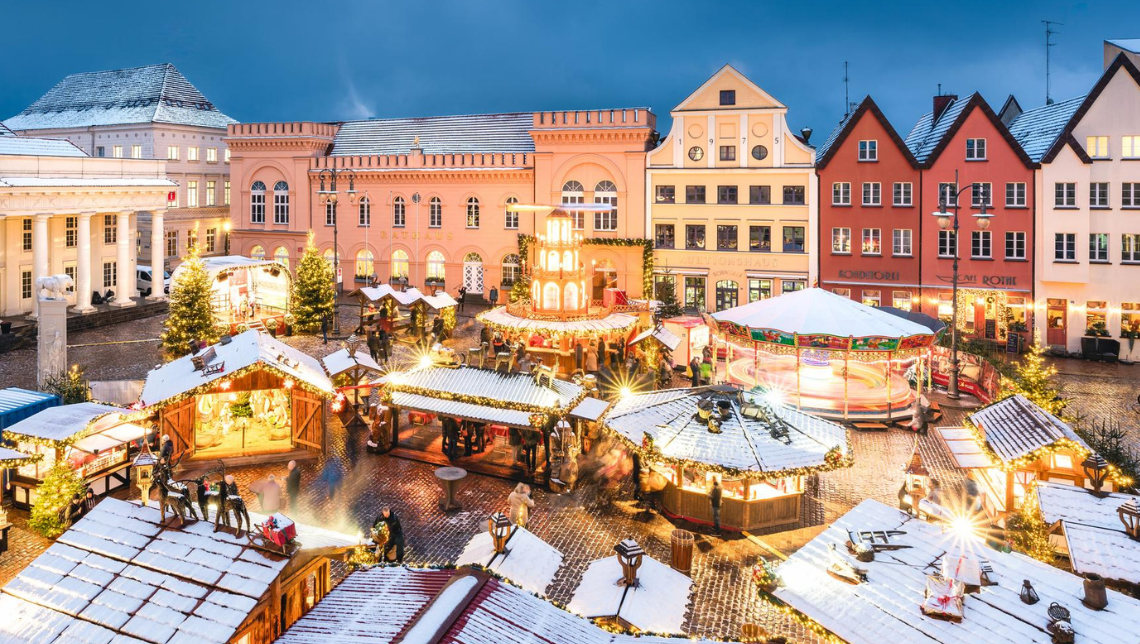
353	105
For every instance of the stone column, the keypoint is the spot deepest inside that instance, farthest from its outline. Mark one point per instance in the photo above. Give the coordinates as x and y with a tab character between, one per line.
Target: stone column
126	278
157	252
51	356
40	265
83	266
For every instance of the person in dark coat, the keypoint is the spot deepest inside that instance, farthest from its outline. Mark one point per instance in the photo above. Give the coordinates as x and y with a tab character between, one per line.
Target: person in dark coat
485	335
530	450
462	297
579	356
332	476
395	533
167	449
386	344
494	297
636	474
373	345
714	500
437	329
695	371
325	327
468	437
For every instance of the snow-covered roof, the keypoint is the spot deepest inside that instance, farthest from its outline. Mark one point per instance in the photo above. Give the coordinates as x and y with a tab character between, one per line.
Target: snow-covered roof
117	575
528	561
10	455
1094	534
405	298
1127	44
1037	129
590	408
657	604
747	445
31	146
101	182
467	134
499	317
516	389
815	311
885	608
61	423
927	133
215	265
663	335
1014	427
244	350
833	136
15	401
150	94
340	362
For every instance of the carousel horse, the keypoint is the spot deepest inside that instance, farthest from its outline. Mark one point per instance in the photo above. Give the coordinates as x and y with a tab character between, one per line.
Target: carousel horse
479	352
177	501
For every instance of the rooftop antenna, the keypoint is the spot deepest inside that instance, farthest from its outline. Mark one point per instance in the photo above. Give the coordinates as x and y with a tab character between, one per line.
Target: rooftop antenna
846	95
1049	33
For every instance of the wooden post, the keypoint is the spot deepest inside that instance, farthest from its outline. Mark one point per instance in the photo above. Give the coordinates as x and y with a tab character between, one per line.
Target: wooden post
799	398
846	376
395	426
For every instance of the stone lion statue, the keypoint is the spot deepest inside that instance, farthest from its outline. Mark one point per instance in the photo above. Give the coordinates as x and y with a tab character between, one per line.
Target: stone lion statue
54	287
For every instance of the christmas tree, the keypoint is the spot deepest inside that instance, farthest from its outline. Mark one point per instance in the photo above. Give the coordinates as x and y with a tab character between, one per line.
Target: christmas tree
1028	530
49	515
71	386
1035	379
191	317
667	296
313	289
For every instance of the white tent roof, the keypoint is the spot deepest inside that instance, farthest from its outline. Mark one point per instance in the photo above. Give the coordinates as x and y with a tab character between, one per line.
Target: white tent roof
814	311
612	322
405	298
340	362
215	265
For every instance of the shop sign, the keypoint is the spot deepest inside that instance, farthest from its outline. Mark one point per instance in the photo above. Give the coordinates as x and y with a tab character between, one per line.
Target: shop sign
882	276
992	281
739	260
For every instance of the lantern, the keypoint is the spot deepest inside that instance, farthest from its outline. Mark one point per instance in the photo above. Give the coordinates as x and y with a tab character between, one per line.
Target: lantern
1028	594
500	528
917	477
629	556
143	471
1096	470
1130	516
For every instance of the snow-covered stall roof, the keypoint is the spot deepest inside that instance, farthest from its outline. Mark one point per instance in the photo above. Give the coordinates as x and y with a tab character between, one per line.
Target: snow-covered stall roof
12	458
500	318
244	350
815	311
1092	529
117	575
215	265
63	423
528	561
339	362
590	409
771	439
657	604
404	298
1014	427
885	608
470	384
666	337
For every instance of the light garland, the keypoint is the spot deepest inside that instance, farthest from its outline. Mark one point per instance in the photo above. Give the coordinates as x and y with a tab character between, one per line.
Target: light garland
483	401
1045	451
13	463
646	245
62	442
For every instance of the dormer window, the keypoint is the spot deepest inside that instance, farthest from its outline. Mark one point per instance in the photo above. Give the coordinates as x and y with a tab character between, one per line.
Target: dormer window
728	97
868	150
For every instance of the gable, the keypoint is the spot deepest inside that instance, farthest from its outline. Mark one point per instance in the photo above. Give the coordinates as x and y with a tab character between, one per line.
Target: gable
748	94
976	117
866	122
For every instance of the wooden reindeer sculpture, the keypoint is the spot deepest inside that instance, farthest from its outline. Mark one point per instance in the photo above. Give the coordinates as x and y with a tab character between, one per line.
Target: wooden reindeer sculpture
176	501
230	501
479	352
165	473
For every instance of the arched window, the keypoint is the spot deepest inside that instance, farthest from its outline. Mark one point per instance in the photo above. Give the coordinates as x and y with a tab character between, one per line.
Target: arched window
435	213
510	270
552	260
257	203
436	271
281	256
606	193
399	216
510	218
258	252
727	292
573	192
472	258
550	297
365	266
330	258
570	297
473	212
280	203
399	264
365	212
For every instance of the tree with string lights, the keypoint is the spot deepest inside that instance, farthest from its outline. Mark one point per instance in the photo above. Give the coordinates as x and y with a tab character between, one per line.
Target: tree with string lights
191	315
49	516
312	289
1036	380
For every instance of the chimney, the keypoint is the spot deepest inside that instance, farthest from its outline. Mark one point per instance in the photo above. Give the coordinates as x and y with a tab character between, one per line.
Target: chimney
806	134
629	555
941	102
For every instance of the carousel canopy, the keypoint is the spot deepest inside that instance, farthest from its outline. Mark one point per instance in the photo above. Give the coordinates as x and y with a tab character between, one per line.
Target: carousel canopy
60	424
404	298
499	318
1015	427
527	561
244	350
755	436
215	265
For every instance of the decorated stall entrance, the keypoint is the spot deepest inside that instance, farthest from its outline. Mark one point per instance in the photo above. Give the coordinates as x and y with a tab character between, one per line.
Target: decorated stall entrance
248	292
248	395
392	309
827	354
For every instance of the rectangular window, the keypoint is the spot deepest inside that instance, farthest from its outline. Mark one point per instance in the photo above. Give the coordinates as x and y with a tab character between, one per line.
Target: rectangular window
25	285
117	151
981	194
694	194
794	239
1065	195
903	194
760	239
695	236
191	238
666	194
728	97
191	194
100	151
578	216
1097	146
901	300
211	189
663	284
1130	193
842	292
726	237
110	230
1065	247
257	207
435	215
872	194
192	153
664	236
902	242
981	244
726	194
72	271
26	230
330	214
728	153
226	155
110	274
947	244
872	297
1130	147
872	241
695	293
172	199
841	194
211	240
1098	248
1098	195
794	195
868	150
975	149
790	286
606	219
172	152
760	195
280	206
946	195
841	241
211	155
1130	248
1015	245
71	231
172	243
1129	317
136	151
1015	195
226	193
759	289
364	213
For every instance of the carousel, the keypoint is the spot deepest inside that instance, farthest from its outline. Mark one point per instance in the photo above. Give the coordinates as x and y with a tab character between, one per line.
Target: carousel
248	292
827	354
560	314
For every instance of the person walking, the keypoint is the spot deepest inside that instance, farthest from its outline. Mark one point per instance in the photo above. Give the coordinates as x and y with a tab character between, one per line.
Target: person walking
373	345
520	503
530	450
293	485
167	449
494	297
268	493
695	372
592	357
325	327
579	356
714	500
395	534
386	344
403	283
636	474
462	297
332	476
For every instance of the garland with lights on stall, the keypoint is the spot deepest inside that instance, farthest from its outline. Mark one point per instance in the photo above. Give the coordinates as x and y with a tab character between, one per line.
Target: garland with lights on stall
538	415
616	242
58	442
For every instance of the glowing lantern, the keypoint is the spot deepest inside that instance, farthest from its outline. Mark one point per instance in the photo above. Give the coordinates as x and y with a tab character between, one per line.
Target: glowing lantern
500	528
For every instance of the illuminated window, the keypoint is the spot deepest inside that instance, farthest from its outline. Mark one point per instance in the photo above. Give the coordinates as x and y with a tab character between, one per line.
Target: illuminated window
872	297
473	212
399	264
841	240
572	193
1097	146
435	266
365	265
901	300
872	241
1062	462
281	256
258	252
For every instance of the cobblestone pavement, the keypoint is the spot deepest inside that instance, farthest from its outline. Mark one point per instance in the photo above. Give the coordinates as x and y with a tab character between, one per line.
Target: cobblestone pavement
1102	392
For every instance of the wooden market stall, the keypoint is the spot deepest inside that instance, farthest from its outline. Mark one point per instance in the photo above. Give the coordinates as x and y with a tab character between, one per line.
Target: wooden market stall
250	292
246	396
760	450
352	372
391	308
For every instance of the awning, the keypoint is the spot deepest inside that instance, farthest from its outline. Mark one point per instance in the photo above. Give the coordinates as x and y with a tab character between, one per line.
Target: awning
663	335
963	449
590	409
468	411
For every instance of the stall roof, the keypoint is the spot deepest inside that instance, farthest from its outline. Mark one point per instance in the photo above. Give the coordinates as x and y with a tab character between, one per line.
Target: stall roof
747	445
657	604
885	608
110	438
61	423
405	298
215	265
1093	531
10	456
467	384
666	337
815	311
470	411
1014	427
17	404
244	350
340	362
590	409
612	322
965	451
528	561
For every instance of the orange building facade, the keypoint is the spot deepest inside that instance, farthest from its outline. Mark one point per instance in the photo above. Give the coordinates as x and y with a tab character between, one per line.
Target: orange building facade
432	193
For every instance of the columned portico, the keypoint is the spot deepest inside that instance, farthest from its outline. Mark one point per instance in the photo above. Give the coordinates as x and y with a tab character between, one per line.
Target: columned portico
40	260
125	284
83	266
157	254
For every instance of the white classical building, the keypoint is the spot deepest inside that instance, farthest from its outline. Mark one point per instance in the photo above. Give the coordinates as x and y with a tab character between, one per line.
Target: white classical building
150	112
62	211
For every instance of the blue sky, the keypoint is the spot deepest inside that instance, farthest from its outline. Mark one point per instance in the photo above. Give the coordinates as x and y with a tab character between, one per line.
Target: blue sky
344	59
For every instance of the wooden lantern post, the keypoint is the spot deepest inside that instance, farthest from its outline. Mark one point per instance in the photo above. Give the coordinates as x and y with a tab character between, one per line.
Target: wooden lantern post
629	556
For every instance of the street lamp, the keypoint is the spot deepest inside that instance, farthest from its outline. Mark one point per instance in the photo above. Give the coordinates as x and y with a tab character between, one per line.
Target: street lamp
946	220
226	227
331	196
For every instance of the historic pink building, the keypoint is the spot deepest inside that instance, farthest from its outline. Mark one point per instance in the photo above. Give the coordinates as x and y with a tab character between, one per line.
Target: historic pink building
432	192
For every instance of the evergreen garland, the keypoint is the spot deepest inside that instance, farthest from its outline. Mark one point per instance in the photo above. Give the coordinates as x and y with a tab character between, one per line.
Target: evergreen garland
313	295
190	316
49	516
620	242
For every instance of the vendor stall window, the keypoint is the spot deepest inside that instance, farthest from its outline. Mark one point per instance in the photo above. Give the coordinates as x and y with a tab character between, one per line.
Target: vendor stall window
901	300
365	266
1096	321
435	267
872	297
759	289
281	256
727	293
695	293
1130	320
399	264
243	422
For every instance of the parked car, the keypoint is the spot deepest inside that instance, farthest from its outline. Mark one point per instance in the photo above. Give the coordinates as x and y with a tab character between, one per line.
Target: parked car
144	283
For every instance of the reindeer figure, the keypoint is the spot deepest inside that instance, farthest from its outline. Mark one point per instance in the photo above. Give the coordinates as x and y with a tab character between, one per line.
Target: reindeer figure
505	361
479	352
176	501
230	501
165	473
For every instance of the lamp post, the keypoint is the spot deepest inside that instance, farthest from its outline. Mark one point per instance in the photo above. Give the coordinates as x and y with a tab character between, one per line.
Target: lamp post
331	196
415	275
226	227
945	220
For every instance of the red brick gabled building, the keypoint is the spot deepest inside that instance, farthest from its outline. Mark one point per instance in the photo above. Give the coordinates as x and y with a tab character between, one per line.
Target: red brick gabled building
869	213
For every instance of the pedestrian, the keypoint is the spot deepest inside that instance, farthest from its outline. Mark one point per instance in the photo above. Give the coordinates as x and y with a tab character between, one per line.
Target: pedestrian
714	500
592	357
437	330
514	439
403	283
468	438
332	476
293	485
530	450
695	372
268	494
462	297
636	474
351	444
485	335
935	495
395	534
325	327
386	344
89	500
373	345
494	297
520	503
167	449
707	373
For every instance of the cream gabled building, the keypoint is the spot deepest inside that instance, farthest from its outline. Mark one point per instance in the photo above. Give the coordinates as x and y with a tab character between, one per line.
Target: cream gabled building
731	198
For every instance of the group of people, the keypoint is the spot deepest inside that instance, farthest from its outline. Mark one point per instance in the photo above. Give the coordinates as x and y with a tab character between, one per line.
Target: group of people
244	308
379	343
473	436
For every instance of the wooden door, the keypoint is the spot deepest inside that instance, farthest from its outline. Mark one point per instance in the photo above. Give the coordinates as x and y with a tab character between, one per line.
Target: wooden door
177	420
1057	321
308	420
